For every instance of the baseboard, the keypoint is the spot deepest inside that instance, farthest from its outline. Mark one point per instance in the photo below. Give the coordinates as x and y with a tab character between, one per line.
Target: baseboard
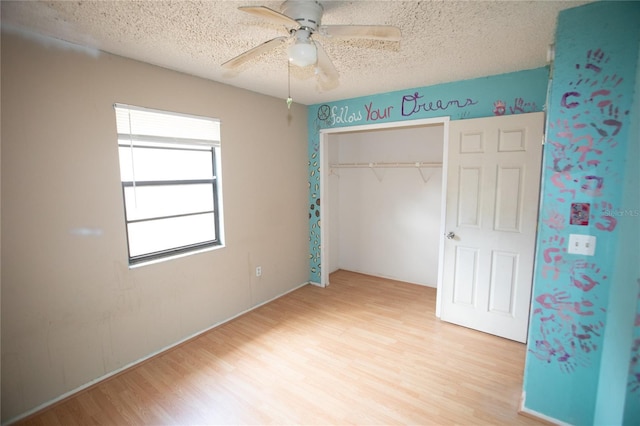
386	277
138	362
524	411
317	284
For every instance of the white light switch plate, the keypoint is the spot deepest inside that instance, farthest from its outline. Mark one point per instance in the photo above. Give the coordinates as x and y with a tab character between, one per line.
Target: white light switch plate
582	244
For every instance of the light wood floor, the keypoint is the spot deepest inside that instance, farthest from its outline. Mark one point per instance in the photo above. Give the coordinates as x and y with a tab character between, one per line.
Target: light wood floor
362	351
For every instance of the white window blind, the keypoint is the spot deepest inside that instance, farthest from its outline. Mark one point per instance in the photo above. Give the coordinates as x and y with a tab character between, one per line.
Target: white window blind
143	124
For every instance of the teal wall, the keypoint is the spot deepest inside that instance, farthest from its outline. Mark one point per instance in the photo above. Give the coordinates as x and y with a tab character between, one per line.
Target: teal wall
583	307
513	93
629	262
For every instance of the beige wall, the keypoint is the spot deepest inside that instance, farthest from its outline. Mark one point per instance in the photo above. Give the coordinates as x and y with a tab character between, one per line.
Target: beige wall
72	310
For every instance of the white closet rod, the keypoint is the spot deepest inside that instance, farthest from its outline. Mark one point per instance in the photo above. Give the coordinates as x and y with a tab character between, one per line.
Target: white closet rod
418	164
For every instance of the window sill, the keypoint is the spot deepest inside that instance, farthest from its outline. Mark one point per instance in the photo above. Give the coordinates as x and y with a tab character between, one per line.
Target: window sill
176	256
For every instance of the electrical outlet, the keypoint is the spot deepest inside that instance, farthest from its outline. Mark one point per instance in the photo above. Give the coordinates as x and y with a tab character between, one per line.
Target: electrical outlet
258	271
582	244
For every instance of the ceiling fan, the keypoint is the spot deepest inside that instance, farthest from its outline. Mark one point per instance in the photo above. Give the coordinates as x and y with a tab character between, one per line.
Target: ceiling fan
302	20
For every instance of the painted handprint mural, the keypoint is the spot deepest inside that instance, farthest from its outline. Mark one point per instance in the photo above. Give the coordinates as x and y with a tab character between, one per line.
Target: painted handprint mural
590	113
632	406
582	146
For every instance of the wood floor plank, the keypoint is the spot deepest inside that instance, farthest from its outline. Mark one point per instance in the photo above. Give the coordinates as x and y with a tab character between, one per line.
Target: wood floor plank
364	350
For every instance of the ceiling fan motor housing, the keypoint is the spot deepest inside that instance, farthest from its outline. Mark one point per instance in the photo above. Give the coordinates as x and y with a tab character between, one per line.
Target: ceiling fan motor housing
308	13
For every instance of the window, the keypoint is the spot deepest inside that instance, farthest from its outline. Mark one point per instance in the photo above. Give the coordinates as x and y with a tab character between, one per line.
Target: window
169	167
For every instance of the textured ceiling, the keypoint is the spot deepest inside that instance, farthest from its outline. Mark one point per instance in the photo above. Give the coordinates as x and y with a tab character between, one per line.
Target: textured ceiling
442	41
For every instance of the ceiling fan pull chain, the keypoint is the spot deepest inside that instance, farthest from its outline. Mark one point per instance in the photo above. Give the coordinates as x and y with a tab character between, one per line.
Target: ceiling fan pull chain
289	100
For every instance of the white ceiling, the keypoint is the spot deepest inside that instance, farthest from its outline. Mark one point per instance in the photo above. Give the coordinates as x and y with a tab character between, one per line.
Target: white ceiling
442	41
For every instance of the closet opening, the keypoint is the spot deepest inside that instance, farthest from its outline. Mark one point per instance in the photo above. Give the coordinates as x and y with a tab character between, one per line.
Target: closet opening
383	191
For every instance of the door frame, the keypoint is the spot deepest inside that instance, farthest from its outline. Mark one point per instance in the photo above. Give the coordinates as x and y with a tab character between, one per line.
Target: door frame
324	137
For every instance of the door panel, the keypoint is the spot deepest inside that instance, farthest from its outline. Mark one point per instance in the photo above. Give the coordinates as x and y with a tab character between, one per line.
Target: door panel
504	267
509	198
466	273
469	197
491	215
471	143
511	141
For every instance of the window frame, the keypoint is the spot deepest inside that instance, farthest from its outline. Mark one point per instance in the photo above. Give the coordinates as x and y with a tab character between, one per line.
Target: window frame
210	147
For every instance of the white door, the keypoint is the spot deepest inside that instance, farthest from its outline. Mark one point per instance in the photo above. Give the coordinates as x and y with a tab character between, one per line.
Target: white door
491	214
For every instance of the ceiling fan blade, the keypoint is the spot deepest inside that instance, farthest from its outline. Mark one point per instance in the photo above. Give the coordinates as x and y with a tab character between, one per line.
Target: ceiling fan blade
270	15
370	32
327	72
256	51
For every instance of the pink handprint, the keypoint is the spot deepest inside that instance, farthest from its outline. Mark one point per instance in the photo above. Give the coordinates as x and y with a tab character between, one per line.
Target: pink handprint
606	221
553	256
584	333
545	351
592	185
615	80
584	275
584	145
607	108
567	359
518	106
594	60
561	303
555	220
585	283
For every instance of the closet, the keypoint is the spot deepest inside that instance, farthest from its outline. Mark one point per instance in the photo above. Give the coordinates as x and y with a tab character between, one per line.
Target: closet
384	199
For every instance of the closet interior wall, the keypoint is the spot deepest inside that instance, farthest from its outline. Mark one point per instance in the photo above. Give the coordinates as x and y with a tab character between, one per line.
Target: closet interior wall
384	209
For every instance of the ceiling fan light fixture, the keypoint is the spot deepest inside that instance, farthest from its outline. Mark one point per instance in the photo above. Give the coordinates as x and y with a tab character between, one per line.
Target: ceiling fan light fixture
303	54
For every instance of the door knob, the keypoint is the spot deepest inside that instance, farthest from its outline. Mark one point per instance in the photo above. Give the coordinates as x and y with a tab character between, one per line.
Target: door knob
450	235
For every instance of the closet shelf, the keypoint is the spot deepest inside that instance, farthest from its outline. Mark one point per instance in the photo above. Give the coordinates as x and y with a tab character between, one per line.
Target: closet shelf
415	164
374	167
